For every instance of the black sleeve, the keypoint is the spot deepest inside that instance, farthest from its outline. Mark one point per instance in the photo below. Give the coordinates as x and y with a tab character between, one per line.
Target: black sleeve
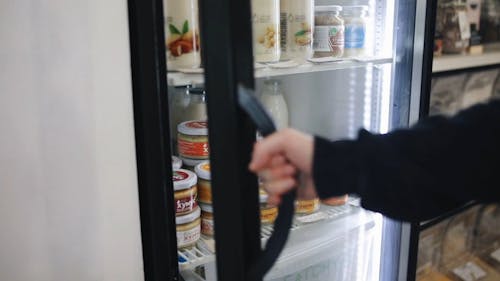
417	173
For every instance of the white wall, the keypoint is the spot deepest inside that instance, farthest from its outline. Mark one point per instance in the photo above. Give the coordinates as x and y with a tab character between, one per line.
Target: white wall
68	187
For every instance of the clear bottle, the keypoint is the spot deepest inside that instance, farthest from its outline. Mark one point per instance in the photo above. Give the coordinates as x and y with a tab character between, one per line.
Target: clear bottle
297	21
328	32
355	30
265	28
273	100
197	106
178	101
182	32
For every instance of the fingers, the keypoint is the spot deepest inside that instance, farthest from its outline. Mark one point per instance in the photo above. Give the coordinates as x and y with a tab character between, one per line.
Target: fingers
265	149
282	171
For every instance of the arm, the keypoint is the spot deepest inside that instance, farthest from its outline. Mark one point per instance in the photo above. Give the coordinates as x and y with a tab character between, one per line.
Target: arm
417	173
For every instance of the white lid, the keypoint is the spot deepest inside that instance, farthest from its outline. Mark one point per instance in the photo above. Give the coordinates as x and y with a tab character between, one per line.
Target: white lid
189	217
206	208
193	128
176	163
183	179
192	162
355	8
330	8
202	170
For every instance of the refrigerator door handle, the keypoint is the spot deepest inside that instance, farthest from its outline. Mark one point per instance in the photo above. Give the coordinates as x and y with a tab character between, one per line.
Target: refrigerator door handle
276	242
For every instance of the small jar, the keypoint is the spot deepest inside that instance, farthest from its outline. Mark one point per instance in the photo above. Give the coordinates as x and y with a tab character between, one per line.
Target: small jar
328	39
454	26
306	206
188	229
185	191
355	30
176	163
192	140
204	184
268	213
207	220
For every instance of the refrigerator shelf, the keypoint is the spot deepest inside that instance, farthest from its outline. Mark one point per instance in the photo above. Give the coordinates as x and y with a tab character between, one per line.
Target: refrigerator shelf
280	69
191	258
457	62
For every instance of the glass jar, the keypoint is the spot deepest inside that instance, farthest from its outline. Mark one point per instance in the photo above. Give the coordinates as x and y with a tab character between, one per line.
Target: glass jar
306	206
188	229
178	101
196	108
185	191
265	28
355	30
454	26
182	32
274	102
268	213
204	183
192	141
328	32
207	220
296	23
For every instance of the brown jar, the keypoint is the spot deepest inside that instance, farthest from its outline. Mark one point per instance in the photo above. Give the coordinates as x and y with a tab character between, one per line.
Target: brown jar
306	206
207	220
328	38
204	184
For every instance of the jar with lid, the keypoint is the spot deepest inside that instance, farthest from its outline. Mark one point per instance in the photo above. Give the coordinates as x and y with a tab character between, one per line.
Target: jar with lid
355	30
268	213
454	26
188	229
296	23
265	29
192	142
328	32
182	32
207	220
185	191
202	170
178	100
274	102
306	206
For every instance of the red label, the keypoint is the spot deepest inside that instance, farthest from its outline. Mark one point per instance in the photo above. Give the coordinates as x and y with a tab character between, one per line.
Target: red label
197	124
179	175
193	149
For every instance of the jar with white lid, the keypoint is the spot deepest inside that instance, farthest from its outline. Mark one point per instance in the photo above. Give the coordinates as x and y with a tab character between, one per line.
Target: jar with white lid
192	141
265	29
188	229
202	170
328	32
176	163
182	32
355	30
207	220
185	191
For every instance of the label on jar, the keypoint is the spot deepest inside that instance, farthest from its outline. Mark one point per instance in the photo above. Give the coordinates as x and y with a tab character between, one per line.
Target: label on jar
469	272
196	150
265	28
355	36
329	38
187	204
188	237
207	226
182	36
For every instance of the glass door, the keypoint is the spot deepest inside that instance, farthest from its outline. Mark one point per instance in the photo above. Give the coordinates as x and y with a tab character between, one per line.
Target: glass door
327	68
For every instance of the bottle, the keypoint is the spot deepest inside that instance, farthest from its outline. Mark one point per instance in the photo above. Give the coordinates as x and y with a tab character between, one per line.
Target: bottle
274	102
197	106
178	101
182	32
265	28
297	20
355	30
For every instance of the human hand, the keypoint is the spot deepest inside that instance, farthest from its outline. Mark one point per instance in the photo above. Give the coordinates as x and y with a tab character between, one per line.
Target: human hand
278	158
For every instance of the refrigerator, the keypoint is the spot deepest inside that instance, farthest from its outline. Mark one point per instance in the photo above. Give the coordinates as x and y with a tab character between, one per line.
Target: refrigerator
380	91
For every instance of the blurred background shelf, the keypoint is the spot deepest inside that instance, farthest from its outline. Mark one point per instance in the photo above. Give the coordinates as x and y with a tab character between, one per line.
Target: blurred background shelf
457	62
